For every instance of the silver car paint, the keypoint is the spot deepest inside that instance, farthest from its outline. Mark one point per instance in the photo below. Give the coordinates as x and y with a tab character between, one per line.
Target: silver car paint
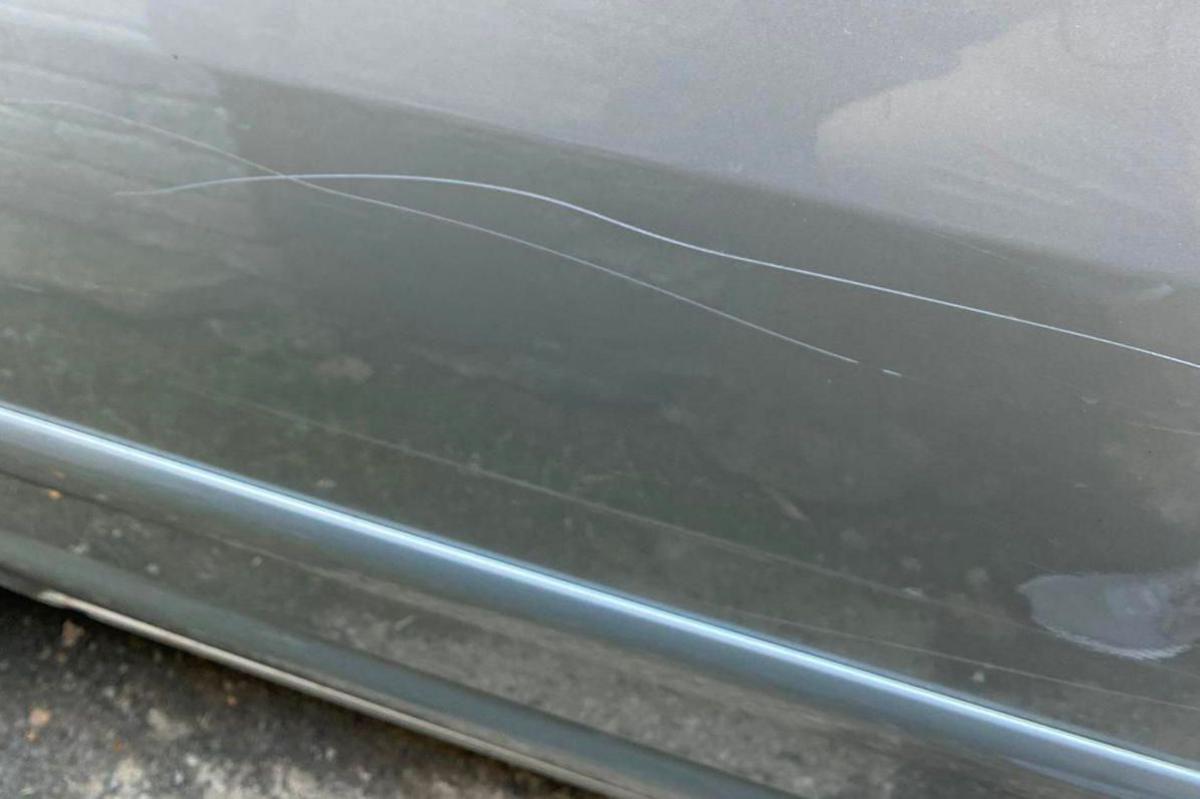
835	324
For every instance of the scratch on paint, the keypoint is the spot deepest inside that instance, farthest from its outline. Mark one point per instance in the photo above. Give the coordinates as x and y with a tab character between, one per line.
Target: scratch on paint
306	178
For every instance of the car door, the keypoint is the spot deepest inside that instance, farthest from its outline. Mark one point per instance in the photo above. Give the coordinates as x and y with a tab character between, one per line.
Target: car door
688	398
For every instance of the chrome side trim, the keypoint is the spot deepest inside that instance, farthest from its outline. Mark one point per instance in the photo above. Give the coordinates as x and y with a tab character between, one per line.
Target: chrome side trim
84	462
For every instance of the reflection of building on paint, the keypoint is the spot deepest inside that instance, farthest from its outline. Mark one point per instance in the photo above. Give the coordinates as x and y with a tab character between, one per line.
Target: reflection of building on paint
1074	131
62	224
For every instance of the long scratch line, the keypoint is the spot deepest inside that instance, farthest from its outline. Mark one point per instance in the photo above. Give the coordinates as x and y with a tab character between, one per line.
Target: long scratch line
613	273
1181	431
709	539
821	630
697	248
588	504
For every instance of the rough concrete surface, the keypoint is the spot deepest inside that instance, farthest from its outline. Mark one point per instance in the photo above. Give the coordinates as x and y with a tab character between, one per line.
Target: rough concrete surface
87	711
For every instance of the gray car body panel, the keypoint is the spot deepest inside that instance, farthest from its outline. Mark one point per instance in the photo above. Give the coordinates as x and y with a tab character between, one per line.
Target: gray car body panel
806	334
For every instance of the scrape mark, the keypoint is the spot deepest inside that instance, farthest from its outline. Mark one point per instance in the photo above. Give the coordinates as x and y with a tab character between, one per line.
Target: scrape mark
1181	431
971	309
298	180
305	180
